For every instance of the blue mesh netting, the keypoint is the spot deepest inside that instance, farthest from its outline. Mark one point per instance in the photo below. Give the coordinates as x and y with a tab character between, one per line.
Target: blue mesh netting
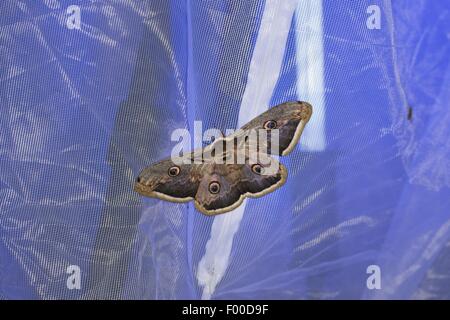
82	111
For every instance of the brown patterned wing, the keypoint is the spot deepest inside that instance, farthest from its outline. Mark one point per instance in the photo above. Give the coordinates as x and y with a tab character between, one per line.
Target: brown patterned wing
288	118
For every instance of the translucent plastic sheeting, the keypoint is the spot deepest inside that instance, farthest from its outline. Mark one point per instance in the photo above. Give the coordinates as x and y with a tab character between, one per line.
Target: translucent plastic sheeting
83	110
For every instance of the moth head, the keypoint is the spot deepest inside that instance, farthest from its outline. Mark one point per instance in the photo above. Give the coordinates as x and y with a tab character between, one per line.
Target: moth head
165	179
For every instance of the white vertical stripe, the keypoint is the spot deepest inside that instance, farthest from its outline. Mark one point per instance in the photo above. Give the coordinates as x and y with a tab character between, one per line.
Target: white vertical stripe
310	67
264	71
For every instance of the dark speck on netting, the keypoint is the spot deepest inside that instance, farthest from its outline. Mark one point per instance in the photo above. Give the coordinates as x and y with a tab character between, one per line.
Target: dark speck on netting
410	113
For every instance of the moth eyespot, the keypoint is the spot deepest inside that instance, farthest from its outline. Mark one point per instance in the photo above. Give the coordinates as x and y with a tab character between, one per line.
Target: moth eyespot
270	124
214	187
174	171
256	168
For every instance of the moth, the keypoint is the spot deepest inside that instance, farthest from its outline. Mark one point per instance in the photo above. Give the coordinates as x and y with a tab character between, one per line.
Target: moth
219	186
410	113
